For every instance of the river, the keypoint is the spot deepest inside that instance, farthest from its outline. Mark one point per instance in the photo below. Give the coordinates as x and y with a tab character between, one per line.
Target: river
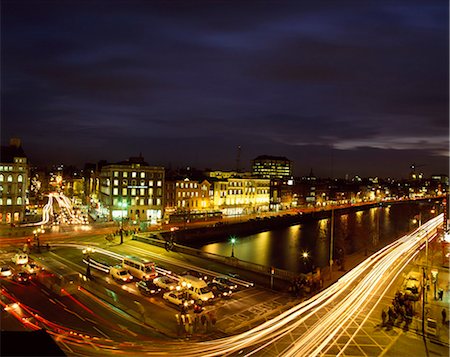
367	230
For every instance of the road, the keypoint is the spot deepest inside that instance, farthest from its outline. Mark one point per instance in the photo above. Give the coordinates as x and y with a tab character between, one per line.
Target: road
333	322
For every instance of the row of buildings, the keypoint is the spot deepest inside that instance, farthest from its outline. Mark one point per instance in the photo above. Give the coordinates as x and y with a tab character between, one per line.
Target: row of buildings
135	190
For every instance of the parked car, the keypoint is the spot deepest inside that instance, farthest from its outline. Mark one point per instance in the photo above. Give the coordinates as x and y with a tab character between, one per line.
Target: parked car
177	298
165	282
20	258
148	287
22	277
224	281
119	273
220	290
6	271
412	288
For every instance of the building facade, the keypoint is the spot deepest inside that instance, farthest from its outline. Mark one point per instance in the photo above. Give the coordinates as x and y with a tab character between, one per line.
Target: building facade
14	172
272	167
132	190
240	193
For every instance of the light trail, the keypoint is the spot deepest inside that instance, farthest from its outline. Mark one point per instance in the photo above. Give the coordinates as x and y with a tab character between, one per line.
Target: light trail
339	306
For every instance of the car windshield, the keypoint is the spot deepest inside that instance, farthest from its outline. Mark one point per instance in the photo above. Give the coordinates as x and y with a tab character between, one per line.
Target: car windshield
148	269
123	272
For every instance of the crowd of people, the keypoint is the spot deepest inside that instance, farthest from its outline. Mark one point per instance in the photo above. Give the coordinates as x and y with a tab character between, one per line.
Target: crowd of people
198	322
305	284
401	310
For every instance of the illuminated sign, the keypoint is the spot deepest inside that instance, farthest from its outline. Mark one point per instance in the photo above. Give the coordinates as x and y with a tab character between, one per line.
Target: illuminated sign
137	186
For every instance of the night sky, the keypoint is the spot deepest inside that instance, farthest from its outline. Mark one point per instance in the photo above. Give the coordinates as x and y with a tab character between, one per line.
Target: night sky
342	87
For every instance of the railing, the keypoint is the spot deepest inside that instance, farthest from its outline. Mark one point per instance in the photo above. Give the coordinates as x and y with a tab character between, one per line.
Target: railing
231	261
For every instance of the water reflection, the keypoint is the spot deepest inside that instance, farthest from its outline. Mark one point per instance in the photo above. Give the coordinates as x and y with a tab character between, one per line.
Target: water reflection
365	230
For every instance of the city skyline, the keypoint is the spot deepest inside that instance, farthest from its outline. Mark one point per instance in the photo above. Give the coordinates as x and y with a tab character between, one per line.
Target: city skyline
358	89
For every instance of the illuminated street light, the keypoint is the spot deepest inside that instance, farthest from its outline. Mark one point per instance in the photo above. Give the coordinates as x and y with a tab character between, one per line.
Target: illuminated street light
233	241
123	205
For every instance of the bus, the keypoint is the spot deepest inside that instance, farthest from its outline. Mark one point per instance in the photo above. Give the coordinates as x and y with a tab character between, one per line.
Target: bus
140	268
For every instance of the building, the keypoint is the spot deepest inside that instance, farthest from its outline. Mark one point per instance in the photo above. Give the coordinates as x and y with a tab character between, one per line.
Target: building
132	190
240	193
279	170
14	171
272	167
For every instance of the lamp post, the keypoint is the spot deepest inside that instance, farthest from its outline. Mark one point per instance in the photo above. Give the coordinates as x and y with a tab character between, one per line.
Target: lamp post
123	205
305	256
36	233
331	243
87	252
233	241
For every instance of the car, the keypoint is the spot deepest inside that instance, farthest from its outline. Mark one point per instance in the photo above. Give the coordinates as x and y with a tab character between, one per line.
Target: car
165	282
6	271
412	288
121	274
31	268
220	290
148	287
20	258
195	274
22	277
178	298
224	281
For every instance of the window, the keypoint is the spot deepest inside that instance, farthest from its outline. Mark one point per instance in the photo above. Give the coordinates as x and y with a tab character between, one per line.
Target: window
124	182
116	173
1	202
9	178
133	174
159	183
19	200
1	178
142	191
150	183
116	182
124	191
142	182
9	201
142	174
115	191
20	178
125	174
133	192
150	191
142	202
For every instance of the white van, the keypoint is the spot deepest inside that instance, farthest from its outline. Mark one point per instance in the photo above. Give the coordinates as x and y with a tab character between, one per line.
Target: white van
197	289
20	258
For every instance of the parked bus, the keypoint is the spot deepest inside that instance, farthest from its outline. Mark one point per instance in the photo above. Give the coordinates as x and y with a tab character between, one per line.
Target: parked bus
140	268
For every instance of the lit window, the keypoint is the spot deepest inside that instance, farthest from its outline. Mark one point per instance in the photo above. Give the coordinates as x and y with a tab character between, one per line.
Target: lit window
150	183
142	174
116	173
19	200
125	174
159	183
158	201
1	178
115	191
133	174
9	201
150	191
124	182
124	191
1	201
142	191
116	182
9	178
141	202
133	192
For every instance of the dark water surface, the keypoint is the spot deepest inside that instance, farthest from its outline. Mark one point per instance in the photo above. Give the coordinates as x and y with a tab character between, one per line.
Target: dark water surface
364	230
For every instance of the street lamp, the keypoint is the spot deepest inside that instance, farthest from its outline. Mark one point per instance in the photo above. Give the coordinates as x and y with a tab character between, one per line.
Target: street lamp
233	241
87	252
305	256
123	205
36	233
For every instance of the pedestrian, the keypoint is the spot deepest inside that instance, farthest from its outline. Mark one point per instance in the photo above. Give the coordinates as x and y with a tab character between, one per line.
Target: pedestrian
383	317
441	294
444	316
203	320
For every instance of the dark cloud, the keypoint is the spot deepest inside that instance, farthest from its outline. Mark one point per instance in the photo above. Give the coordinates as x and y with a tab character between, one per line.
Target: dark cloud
185	82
